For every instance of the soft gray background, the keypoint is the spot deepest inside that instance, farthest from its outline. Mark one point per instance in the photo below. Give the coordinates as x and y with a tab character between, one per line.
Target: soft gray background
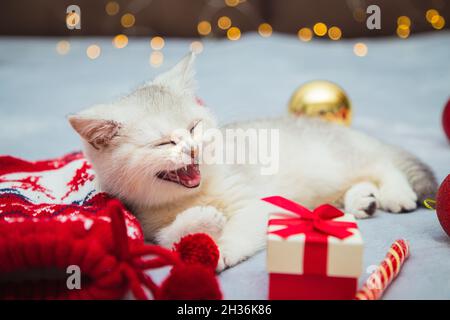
398	91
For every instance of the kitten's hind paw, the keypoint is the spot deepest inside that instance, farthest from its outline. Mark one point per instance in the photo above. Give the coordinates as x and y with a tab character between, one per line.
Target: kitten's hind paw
361	200
400	198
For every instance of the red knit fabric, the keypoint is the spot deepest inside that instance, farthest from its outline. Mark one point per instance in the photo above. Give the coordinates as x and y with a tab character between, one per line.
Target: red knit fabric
52	217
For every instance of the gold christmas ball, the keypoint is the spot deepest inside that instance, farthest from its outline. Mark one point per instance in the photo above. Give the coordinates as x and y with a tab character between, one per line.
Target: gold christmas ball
322	99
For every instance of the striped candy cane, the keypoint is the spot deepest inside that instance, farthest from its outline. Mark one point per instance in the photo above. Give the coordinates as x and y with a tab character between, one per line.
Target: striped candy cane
388	269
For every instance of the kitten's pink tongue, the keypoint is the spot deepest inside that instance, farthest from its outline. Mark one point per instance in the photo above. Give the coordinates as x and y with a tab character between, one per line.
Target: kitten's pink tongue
189	177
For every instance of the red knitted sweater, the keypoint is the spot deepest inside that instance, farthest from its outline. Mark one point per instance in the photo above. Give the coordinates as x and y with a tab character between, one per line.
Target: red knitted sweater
52	217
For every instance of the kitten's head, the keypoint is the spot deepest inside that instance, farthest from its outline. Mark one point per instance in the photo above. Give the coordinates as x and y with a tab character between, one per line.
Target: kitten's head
144	147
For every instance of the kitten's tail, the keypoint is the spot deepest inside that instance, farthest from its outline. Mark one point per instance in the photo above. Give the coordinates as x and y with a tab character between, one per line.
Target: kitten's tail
420	176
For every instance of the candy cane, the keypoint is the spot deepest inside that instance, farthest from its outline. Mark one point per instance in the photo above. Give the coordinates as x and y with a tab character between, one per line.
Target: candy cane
388	269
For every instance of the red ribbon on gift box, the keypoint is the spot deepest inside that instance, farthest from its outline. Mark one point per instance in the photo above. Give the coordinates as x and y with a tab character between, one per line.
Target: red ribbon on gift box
317	225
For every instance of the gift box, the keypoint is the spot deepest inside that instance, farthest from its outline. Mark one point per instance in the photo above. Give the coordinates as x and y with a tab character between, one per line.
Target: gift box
312	254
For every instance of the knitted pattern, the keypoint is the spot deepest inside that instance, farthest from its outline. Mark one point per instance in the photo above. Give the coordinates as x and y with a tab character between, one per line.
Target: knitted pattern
52	217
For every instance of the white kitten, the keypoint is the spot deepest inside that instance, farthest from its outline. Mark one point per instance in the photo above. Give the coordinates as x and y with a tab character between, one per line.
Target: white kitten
140	155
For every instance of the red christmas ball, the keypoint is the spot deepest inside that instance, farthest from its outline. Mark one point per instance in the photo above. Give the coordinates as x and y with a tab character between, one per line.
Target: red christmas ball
443	204
446	119
198	248
190	282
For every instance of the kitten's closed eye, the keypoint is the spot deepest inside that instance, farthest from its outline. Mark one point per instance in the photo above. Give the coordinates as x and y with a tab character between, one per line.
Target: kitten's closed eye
164	143
194	126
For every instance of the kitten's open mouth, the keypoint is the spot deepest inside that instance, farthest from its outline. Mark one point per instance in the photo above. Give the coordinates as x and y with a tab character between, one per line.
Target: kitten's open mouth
188	176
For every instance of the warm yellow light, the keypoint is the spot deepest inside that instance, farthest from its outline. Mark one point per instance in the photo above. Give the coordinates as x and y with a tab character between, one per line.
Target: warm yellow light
157	43
305	34
232	3
93	51
320	29
404	21
63	47
127	20
197	47
431	13
120	41
435	19
335	33
224	22
360	49
156	59
112	8
359	14
403	31
204	28
72	19
265	30
438	23
233	33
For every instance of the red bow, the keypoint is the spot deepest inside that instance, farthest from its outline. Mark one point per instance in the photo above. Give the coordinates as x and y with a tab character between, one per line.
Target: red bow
319	220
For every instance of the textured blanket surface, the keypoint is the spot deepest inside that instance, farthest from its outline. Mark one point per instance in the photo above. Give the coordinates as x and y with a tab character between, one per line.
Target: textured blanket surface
398	91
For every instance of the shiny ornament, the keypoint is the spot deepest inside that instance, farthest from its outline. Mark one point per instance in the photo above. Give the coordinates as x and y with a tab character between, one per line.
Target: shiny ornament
322	99
443	205
446	119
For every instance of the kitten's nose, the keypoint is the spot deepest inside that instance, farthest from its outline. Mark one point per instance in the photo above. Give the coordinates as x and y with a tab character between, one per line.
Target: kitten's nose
191	150
194	152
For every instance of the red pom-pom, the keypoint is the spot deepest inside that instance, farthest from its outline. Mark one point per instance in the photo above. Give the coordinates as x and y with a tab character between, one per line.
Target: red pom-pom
190	282
198	248
446	119
443	205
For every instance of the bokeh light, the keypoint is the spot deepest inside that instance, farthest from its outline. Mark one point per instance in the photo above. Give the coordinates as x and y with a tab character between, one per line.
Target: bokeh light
197	47
359	14
204	28
93	51
334	33
265	30
232	3
156	59
403	27
72	19
320	29
404	21
63	47
305	34
157	43
120	41
403	31
234	33
128	20
430	14
224	22
112	8
438	22
360	49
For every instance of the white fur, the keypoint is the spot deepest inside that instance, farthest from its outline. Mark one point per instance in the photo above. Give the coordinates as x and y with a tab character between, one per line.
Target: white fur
319	163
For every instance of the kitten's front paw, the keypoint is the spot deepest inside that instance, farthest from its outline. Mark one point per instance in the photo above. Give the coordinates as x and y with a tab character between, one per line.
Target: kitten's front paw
231	254
361	200
400	198
205	219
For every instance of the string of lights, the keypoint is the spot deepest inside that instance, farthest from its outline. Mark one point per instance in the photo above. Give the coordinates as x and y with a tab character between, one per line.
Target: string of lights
207	24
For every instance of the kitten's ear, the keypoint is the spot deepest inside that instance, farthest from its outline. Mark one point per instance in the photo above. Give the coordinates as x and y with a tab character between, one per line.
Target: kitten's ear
97	132
181	76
